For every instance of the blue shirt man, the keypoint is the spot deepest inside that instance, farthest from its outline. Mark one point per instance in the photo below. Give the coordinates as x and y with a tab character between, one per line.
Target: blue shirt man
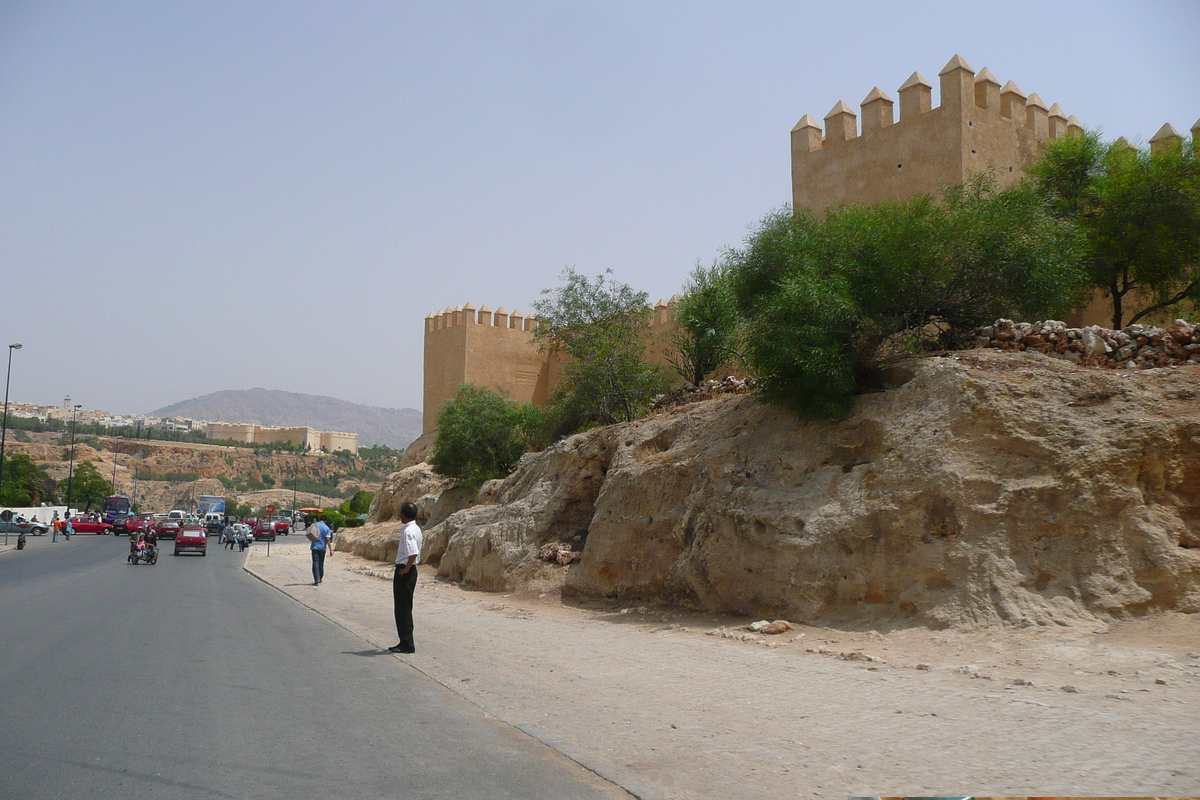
321	545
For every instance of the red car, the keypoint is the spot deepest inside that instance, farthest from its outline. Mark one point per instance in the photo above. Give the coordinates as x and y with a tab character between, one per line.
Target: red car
167	528
264	531
192	537
85	525
132	525
283	526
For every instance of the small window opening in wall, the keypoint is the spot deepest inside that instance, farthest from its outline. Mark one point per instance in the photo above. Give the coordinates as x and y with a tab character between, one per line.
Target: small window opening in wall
899	166
972	152
1010	169
970	124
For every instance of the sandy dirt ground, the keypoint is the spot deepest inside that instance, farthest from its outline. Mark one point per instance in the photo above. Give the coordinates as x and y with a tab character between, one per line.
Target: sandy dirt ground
673	704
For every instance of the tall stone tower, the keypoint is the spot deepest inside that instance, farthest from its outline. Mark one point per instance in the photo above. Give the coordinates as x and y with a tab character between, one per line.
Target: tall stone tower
978	124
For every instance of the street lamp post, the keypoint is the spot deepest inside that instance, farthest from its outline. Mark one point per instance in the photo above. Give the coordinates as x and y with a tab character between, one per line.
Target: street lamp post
294	476
4	425
71	468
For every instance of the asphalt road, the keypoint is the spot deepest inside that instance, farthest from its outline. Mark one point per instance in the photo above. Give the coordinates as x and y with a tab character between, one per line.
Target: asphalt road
192	679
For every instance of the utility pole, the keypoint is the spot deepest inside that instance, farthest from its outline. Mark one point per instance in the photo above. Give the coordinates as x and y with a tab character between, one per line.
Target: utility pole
4	424
71	468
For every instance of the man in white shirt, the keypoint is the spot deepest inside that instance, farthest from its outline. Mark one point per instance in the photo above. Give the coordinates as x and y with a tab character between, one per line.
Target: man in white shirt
404	583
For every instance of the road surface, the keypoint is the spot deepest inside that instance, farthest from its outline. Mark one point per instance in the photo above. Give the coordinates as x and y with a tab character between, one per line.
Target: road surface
192	679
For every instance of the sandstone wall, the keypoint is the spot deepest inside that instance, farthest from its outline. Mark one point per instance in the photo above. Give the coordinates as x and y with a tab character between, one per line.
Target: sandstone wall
990	488
977	126
496	350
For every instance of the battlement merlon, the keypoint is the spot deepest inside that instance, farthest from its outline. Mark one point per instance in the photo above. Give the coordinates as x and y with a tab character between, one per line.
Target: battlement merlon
484	316
960	88
957	83
979	125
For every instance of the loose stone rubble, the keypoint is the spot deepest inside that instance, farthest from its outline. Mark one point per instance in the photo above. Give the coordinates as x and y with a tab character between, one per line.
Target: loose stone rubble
560	552
1133	347
692	393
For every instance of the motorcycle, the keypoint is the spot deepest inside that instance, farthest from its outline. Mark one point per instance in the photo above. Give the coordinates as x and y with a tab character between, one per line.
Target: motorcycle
147	556
21	541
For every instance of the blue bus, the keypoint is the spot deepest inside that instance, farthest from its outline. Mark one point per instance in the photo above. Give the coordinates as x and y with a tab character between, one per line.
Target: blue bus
117	506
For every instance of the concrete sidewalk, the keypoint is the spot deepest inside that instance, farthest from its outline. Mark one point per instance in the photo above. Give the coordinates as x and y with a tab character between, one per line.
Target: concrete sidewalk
669	704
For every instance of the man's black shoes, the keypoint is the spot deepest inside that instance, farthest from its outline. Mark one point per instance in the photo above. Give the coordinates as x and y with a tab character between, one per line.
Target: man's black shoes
400	648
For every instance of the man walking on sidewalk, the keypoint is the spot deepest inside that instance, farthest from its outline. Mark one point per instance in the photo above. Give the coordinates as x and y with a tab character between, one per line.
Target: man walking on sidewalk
321	541
404	583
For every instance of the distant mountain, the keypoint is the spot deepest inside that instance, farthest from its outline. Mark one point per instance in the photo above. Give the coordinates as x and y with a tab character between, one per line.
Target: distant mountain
394	427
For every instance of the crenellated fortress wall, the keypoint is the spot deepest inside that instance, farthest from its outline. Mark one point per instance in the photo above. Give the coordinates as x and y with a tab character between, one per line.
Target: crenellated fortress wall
978	124
870	157
496	349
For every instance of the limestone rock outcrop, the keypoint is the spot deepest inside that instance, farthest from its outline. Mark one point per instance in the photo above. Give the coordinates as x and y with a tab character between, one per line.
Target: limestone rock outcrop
989	488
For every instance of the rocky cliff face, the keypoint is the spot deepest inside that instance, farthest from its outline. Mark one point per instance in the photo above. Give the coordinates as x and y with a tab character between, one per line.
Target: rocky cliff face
989	488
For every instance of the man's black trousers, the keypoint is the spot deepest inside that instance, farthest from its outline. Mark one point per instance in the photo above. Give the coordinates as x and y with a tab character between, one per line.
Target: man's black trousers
403	588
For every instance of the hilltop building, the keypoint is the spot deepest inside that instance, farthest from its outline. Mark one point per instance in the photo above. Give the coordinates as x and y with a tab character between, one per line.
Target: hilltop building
302	437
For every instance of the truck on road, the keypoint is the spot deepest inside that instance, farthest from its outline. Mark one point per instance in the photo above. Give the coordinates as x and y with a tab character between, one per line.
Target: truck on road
15	523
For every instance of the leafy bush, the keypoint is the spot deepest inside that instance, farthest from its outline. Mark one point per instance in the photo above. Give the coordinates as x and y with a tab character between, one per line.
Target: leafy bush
601	326
830	301
360	503
707	325
235	509
479	436
25	483
34	425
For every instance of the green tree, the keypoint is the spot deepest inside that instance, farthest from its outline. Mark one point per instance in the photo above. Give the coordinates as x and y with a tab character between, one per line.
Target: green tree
479	436
830	301
601	327
360	503
235	509
705	336
1139	213
87	486
25	483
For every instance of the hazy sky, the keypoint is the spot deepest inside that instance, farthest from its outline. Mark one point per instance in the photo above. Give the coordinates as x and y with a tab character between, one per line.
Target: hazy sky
222	195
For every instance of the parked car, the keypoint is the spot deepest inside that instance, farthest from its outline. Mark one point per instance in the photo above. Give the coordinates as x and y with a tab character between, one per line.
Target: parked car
193	538
19	524
264	531
167	528
86	525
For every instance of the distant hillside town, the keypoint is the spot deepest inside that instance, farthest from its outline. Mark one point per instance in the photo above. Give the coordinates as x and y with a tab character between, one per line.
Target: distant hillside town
300	437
